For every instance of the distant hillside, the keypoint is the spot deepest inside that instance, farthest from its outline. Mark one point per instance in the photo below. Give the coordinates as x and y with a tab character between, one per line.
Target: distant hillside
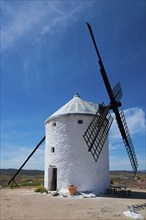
11	172
36	177
24	177
124	172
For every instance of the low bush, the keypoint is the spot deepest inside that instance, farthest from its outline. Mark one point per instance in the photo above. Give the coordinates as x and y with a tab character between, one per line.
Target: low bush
41	189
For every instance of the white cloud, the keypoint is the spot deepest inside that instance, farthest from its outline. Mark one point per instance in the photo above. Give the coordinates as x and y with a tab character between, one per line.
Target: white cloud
135	118
119	162
17	23
15	157
62	20
116	145
36	18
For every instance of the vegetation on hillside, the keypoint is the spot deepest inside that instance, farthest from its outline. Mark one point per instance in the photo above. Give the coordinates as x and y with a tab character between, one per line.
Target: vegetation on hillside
128	178
36	178
24	178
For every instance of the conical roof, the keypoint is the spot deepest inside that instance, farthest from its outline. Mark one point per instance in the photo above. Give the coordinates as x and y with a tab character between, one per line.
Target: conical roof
76	106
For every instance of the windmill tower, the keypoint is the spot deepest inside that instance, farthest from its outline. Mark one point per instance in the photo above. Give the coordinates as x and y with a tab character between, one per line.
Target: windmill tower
67	160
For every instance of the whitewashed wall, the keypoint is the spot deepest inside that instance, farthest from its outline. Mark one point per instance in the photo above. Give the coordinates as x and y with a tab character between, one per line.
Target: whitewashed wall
75	165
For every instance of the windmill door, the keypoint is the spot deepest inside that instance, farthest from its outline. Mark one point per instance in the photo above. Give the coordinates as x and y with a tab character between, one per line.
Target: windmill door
52	178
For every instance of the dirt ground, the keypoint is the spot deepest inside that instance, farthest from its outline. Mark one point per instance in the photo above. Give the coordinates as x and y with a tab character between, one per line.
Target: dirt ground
25	204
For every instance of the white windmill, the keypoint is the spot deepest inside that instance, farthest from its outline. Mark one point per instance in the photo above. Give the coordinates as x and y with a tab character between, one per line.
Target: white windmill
71	129
67	161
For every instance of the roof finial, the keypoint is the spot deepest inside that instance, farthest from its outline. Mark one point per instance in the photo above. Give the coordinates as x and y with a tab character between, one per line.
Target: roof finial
77	95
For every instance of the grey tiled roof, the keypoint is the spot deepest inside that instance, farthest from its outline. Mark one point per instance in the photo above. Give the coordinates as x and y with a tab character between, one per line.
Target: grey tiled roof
76	106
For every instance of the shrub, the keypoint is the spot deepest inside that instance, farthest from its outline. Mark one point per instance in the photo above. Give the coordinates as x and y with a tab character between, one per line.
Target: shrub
41	189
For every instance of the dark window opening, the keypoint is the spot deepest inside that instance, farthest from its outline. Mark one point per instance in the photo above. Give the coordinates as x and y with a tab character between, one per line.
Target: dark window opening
80	121
52	149
54	124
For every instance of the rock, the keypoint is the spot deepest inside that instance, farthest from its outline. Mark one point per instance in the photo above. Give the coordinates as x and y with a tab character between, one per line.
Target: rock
55	193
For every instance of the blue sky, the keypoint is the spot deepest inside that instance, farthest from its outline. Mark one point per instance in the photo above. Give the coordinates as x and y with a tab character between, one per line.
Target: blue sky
47	56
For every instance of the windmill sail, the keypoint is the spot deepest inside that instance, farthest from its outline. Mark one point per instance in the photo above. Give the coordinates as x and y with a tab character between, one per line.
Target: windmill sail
115	96
123	127
128	144
96	133
117	92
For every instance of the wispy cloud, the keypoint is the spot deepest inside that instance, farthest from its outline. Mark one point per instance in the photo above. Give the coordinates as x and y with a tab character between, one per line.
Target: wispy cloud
36	18
61	19
15	25
15	157
119	162
135	118
115	145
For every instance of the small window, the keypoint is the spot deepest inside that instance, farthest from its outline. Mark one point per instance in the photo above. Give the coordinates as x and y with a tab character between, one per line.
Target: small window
80	121
53	123
52	149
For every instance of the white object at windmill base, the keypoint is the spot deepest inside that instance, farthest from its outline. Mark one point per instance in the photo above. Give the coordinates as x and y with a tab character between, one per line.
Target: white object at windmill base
133	215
